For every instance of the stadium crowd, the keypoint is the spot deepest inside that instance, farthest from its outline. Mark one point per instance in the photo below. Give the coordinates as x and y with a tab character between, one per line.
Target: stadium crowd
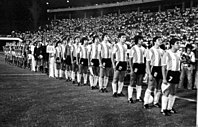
156	47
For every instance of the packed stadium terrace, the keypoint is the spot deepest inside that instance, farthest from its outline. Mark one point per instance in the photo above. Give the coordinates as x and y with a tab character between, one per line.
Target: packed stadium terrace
33	52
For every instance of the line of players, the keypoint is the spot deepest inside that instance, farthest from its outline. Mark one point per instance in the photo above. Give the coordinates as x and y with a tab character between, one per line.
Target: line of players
75	57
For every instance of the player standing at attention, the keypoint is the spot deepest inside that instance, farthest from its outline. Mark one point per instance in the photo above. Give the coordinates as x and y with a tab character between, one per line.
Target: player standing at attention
170	73
154	70
83	65
105	62
137	66
93	62
119	65
74	49
68	58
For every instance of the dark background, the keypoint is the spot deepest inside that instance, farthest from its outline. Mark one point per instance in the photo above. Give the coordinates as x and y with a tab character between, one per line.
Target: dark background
20	15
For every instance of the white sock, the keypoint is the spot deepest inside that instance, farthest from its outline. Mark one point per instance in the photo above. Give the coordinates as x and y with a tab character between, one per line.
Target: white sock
72	75
79	77
91	80
85	78
155	92
157	97
164	102
146	96
138	91
106	80
171	101
130	92
120	86
69	74
61	73
66	74
114	87
95	80
100	83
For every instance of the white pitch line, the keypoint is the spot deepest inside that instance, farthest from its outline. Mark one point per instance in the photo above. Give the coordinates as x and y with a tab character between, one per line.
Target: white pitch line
22	74
187	99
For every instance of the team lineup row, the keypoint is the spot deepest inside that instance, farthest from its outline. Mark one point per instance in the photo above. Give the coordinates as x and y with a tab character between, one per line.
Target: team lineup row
75	57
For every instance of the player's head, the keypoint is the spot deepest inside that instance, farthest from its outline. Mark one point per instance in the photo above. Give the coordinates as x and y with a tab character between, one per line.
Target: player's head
105	37
138	39
96	39
175	43
84	40
122	37
157	40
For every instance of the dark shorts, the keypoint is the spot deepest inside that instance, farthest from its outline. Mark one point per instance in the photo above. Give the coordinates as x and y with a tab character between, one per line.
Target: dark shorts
106	62
84	62
68	60
95	62
157	72
139	68
173	77
121	66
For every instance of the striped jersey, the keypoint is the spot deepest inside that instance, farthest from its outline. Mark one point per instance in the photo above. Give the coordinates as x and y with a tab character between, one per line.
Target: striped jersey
58	52
63	51
83	52
67	50
155	55
121	52
105	50
94	50
74	49
171	60
138	54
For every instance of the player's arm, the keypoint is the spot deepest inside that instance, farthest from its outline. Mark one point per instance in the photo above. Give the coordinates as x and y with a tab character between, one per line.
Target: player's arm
78	55
71	54
89	56
131	60
113	56
100	55
148	64
164	67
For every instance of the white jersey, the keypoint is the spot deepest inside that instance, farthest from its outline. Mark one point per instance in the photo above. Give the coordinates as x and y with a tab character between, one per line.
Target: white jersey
105	50
155	55
83	51
138	54
63	51
94	50
58	52
121	52
74	49
171	60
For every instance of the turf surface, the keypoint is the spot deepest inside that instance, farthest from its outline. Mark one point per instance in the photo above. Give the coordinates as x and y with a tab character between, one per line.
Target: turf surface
36	100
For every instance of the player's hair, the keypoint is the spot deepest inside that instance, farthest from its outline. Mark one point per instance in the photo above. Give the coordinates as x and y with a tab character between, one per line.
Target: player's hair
155	39
103	35
121	34
94	37
173	41
137	38
83	39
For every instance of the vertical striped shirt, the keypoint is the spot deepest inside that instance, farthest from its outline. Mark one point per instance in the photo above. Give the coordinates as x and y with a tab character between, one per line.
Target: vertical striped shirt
58	52
138	54
94	50
155	55
105	50
121	52
83	51
74	49
171	60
